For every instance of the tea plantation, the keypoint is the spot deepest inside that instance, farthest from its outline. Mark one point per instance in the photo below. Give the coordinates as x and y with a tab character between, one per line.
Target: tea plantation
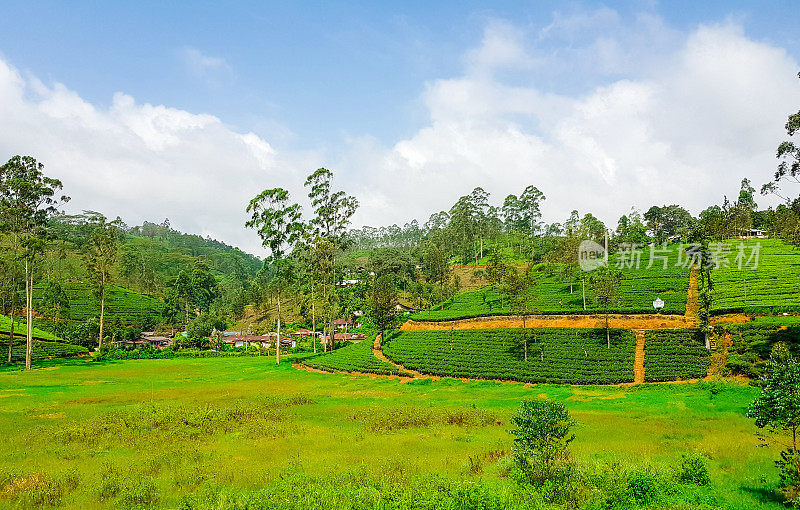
353	358
752	342
772	286
673	354
128	306
553	294
19	329
554	355
47	350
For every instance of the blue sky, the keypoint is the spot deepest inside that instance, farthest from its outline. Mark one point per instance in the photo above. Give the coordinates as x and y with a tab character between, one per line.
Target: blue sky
370	89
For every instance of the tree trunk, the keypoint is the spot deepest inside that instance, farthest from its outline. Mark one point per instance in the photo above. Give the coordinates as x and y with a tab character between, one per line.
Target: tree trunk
583	290
11	335
102	311
608	332
313	319
28	316
278	344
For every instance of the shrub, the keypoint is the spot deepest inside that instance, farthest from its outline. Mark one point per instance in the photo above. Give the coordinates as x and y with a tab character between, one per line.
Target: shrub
542	436
693	470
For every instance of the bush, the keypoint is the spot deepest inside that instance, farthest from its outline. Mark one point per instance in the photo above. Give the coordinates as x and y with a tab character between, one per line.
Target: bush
542	436
693	470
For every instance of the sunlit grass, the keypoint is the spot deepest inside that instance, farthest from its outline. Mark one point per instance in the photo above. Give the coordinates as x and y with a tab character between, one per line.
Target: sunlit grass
154	432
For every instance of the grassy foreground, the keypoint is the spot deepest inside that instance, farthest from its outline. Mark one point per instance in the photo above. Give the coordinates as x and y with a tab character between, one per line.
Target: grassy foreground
233	432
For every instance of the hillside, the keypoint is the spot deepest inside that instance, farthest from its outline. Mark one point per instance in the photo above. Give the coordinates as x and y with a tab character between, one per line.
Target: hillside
554	294
121	303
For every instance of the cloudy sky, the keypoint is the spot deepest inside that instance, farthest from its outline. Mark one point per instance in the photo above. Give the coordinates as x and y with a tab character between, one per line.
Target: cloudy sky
187	111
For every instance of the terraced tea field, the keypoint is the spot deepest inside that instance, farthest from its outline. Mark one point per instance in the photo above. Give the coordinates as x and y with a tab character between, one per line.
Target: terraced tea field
19	329
554	355
675	354
130	307
47	350
353	358
555	295
772	287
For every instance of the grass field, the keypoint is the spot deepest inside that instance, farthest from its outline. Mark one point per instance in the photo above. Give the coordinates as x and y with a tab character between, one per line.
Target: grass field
242	433
555	295
130	307
774	286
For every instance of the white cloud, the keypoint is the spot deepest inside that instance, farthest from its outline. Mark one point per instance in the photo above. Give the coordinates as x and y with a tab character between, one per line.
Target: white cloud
684	125
662	118
212	70
140	161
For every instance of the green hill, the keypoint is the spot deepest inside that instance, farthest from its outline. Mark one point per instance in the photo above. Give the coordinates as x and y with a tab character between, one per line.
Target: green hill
19	330
553	294
128	306
773	286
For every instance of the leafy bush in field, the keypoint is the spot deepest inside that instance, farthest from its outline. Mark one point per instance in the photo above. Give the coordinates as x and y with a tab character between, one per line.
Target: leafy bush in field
554	295
774	286
47	350
353	358
672	354
555	355
123	304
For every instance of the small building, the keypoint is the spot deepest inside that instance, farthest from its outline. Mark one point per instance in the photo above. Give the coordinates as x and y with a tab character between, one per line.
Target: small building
306	333
400	307
248	341
151	339
753	233
345	323
342	337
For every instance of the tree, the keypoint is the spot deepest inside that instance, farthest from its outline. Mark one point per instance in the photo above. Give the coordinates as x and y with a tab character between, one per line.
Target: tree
277	222
436	266
788	155
705	285
332	213
605	282
517	288
667	221
383	303
27	200
195	288
541	438
55	302
777	412
100	260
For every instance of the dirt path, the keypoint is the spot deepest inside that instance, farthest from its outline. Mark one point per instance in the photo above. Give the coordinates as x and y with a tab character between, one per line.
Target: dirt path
643	321
693	297
720	357
638	359
378	353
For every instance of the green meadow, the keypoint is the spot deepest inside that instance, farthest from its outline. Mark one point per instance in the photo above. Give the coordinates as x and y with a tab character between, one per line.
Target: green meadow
241	432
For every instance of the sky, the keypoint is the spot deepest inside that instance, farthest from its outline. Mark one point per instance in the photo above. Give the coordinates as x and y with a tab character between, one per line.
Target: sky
153	110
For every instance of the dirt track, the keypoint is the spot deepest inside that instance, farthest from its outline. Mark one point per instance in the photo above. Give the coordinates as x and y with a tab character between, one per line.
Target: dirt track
650	321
